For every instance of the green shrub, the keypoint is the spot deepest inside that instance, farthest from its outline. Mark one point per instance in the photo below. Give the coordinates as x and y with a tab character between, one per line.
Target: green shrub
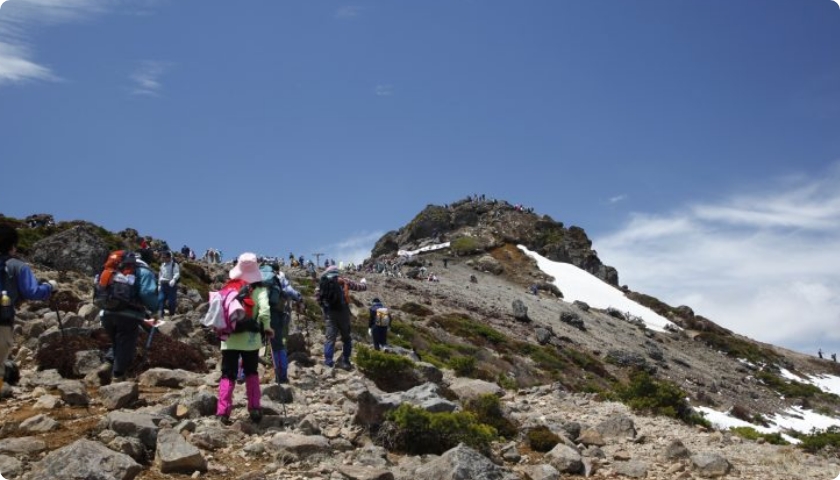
418	432
464	245
750	433
541	439
469	329
463	366
506	382
789	388
826	441
646	394
488	410
416	309
390	372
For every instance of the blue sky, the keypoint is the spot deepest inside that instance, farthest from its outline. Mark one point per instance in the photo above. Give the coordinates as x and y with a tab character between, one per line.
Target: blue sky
695	141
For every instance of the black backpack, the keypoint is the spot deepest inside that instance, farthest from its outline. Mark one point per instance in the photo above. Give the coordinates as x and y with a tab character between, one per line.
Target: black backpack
331	293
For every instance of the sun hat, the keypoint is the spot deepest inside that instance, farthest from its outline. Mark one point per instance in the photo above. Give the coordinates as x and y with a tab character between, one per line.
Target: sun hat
247	268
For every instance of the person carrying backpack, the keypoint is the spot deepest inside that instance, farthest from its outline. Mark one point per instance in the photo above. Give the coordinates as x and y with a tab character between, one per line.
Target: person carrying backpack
122	316
17	283
333	296
245	342
170	274
280	293
380	320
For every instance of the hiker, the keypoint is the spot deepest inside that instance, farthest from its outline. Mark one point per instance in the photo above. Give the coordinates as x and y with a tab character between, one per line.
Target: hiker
380	320
280	292
819	352
834	357
535	289
18	283
334	297
185	251
245	342
170	273
445	263
121	323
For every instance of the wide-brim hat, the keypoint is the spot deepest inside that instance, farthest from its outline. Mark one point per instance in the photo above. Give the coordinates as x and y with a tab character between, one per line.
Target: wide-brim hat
247	268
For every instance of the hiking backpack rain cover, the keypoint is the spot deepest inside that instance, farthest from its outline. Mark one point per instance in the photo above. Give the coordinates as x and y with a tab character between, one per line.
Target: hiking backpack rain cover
116	286
229	306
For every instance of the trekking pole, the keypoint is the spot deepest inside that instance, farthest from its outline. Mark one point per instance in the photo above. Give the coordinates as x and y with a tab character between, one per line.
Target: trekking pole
148	344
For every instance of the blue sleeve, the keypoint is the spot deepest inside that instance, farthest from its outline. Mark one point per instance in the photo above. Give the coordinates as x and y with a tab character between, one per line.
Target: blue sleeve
28	285
148	288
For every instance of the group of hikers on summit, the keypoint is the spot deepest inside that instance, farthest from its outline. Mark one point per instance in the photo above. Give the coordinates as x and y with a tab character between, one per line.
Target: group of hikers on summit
129	293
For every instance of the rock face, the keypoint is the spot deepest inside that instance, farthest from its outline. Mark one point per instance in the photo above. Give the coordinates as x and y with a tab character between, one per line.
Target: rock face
78	248
175	455
492	224
85	459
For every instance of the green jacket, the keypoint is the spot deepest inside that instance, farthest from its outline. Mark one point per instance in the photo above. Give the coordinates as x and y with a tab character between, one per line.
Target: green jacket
248	341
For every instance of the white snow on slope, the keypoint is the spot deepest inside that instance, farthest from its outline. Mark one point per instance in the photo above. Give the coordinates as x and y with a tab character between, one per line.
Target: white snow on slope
578	284
429	248
794	418
826	383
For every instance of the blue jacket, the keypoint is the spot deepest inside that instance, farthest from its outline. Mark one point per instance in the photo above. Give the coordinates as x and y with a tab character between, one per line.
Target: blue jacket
22	282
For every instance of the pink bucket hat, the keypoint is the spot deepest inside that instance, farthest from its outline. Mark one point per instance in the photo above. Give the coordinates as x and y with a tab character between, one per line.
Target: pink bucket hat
247	268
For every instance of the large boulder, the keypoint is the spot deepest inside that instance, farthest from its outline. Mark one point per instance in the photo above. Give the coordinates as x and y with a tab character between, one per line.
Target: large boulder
85	459
80	249
462	463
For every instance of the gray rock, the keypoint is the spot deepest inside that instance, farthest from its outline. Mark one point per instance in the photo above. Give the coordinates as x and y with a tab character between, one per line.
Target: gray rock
47	402
676	450
87	361
300	445
175	455
710	465
489	264
365	473
371	456
89	312
520	311
632	468
580	304
372	407
39	424
164	377
573	319
278	393
543	335
462	463
200	404
80	249
132	447
73	393
471	388
85	459
142	426
427	372
541	472
55	335
591	437
617	426
565	459
309	425
47	379
119	395
21	446
571	429
10	466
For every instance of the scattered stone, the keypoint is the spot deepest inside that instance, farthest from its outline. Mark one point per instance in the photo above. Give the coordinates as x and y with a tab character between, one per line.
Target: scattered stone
85	459
462	463
176	455
119	395
710	465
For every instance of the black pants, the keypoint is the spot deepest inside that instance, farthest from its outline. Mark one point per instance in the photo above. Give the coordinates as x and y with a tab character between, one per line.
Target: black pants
230	362
124	332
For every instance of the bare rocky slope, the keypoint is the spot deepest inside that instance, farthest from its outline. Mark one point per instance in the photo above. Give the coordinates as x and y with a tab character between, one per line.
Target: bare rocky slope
552	365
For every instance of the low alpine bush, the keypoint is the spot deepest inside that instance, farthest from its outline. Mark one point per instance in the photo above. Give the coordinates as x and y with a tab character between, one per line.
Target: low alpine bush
415	431
541	439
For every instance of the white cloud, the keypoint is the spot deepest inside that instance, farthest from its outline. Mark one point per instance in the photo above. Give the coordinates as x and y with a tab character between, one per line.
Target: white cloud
146	78
20	17
15	66
618	198
384	90
354	249
764	264
348	12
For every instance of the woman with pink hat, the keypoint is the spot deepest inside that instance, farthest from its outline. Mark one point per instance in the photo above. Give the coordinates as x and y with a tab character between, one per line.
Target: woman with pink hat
245	342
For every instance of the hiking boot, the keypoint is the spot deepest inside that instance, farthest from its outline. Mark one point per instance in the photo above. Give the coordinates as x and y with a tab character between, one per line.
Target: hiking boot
330	364
224	419
256	415
345	365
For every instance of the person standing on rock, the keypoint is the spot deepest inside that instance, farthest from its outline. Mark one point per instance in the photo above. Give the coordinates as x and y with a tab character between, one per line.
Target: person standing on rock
18	283
170	274
245	342
380	320
334	297
121	324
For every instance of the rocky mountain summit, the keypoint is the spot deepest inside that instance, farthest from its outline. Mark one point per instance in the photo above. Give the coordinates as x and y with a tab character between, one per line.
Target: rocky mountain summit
485	380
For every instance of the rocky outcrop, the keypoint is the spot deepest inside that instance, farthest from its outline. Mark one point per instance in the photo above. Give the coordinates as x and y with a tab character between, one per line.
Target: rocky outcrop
80	248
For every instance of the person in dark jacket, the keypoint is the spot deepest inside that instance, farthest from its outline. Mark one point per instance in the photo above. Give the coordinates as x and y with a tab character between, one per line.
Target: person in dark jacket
123	324
380	320
19	283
